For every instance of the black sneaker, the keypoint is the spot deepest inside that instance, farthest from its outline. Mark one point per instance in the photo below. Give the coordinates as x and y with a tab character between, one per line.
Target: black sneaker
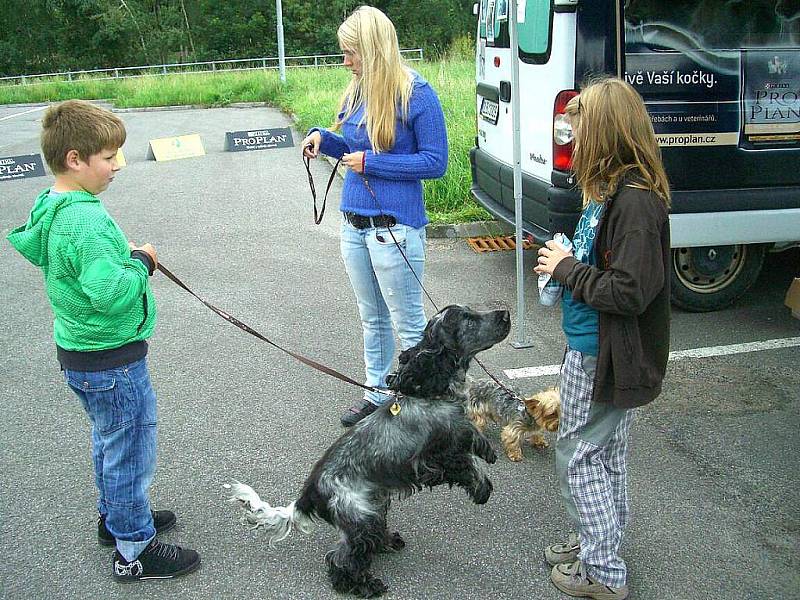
157	561
357	412
164	520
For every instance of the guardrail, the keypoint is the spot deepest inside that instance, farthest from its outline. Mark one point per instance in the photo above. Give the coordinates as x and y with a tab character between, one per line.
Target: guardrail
210	66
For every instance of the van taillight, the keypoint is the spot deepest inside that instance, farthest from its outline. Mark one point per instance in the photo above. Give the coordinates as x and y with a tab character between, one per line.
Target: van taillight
562	132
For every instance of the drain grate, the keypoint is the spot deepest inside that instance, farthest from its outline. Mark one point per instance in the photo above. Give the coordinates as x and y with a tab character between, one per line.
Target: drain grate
493	244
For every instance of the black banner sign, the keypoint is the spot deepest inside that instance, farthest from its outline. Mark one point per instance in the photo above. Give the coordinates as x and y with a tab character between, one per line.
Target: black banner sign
258	139
771	98
20	167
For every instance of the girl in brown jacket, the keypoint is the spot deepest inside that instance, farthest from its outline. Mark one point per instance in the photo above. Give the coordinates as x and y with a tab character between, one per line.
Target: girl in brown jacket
616	320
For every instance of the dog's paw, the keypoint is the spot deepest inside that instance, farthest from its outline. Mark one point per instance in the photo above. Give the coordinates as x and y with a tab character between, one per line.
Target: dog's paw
538	441
394	543
491	456
483	491
514	455
372	587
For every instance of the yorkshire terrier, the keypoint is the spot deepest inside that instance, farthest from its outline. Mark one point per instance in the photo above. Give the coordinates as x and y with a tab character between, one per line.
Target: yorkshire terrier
519	419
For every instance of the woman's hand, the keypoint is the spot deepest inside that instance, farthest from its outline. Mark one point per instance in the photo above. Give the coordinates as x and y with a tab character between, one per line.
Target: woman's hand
311	144
549	256
354	161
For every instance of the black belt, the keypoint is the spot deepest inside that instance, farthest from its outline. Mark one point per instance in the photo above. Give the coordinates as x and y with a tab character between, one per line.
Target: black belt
362	222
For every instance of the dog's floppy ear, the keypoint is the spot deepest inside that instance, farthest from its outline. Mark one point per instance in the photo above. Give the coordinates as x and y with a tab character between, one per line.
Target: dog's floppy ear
426	373
392	379
406	355
427	368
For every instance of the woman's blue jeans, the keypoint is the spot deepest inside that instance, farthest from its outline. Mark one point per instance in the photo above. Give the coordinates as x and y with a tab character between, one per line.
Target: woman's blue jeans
387	293
121	405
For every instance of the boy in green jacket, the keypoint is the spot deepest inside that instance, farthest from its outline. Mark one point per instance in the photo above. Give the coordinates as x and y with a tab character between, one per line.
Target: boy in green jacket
98	287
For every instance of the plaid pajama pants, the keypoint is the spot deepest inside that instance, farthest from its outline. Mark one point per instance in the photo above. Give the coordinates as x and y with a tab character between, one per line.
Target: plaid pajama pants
590	463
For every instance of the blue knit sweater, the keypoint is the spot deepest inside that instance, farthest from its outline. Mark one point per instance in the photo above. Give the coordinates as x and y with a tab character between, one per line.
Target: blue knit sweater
419	152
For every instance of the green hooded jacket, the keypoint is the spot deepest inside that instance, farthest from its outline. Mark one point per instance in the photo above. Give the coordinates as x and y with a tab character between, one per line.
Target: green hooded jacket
101	297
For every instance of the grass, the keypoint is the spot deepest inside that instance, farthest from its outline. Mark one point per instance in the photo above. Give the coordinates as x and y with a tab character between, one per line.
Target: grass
311	95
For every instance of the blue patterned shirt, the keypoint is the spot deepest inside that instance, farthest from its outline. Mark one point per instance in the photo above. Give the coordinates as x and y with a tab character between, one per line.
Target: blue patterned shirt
579	320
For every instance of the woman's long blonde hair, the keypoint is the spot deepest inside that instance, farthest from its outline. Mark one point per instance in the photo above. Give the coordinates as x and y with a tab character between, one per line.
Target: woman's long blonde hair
384	84
614	138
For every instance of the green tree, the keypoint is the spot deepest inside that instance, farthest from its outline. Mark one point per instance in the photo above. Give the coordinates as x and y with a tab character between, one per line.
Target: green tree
55	35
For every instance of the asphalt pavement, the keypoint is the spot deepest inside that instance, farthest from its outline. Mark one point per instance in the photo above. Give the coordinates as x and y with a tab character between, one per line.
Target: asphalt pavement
713	471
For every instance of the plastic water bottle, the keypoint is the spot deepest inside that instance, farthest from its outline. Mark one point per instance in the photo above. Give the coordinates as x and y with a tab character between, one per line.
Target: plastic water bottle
550	290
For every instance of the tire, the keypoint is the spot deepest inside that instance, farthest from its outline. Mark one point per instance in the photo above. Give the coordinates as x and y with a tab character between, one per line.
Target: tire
710	278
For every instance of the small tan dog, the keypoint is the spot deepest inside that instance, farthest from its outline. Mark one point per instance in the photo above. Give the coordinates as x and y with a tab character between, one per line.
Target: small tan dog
519	420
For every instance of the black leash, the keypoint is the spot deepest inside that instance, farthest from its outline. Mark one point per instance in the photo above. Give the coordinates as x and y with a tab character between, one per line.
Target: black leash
480	364
244	327
307	162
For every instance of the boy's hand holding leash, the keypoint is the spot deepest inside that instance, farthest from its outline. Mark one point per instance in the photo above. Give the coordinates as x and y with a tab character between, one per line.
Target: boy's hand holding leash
147	249
549	256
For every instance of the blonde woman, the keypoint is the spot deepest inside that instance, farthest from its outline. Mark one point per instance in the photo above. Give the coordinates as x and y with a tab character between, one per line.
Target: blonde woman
615	315
390	134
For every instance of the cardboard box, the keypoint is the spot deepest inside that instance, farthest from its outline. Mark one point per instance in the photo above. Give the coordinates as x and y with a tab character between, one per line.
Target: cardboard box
793	298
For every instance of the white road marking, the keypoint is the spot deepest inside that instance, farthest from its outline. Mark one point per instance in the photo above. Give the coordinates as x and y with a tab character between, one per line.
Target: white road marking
674	356
24	112
532	371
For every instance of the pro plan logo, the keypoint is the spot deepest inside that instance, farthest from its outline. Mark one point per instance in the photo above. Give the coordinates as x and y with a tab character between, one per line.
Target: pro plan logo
133	569
260	139
20	167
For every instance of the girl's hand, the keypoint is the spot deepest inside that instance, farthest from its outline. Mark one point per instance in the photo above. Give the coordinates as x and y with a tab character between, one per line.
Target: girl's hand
354	161
549	256
311	144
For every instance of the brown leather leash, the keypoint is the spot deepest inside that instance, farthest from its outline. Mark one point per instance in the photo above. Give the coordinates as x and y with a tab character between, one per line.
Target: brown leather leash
244	327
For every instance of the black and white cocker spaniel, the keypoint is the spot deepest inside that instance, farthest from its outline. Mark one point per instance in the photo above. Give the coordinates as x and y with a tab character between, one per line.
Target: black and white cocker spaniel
419	438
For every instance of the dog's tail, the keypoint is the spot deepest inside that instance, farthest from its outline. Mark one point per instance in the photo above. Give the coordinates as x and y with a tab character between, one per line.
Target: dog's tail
277	520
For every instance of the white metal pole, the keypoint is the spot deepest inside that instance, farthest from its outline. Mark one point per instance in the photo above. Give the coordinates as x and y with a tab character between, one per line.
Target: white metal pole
515	114
281	57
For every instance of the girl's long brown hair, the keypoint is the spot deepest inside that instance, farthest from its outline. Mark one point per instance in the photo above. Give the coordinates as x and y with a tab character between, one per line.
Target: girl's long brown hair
614	138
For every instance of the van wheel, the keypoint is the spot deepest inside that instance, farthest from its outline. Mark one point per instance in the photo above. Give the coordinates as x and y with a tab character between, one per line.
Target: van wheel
709	278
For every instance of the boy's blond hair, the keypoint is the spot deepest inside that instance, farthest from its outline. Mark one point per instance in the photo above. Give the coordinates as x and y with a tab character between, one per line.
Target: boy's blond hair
614	138
81	126
384	84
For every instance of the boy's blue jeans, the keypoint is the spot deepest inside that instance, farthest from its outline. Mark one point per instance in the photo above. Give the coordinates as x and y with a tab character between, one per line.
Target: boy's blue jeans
121	405
386	291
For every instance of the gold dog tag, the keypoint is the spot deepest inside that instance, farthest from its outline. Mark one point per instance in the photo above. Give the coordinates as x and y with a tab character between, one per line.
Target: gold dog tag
395	409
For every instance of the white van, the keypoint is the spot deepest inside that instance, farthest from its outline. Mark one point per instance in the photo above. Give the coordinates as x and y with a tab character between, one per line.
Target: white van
721	80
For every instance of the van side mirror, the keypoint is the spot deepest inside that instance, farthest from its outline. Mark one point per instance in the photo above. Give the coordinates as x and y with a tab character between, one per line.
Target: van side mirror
475	9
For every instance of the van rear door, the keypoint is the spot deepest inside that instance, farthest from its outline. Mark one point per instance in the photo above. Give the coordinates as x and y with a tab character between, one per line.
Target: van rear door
547	58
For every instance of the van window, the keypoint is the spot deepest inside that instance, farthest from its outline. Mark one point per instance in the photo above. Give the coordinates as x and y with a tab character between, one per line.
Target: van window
482	20
714	24
493	25
534	18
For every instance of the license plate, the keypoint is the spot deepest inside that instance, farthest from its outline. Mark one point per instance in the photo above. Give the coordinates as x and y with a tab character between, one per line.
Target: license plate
489	110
